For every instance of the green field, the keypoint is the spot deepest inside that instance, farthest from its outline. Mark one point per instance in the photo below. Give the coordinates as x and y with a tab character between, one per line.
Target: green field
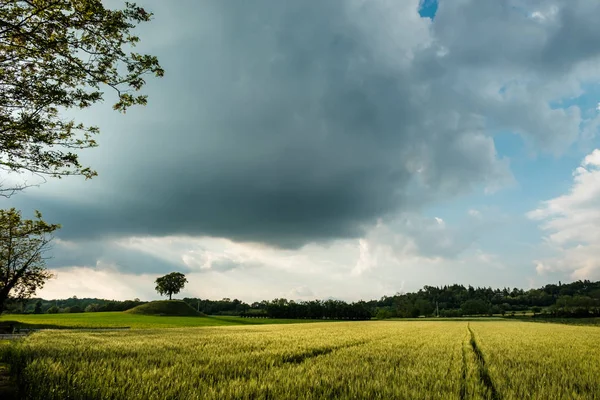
133	321
370	359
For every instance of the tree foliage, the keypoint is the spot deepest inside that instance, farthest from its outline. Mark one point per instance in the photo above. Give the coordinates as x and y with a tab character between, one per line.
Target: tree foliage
57	55
23	244
170	284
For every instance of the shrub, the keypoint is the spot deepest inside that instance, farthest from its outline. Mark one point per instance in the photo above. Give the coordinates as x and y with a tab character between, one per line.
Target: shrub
94	307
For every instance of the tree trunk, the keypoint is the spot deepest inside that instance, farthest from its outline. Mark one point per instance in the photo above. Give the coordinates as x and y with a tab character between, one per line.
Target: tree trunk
170	296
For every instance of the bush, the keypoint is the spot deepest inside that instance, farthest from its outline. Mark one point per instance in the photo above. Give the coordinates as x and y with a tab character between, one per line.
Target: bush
94	307
475	307
53	310
75	309
383	313
450	313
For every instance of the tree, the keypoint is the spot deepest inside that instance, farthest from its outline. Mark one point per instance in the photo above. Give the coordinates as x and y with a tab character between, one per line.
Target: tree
59	55
474	307
94	307
23	244
38	307
170	284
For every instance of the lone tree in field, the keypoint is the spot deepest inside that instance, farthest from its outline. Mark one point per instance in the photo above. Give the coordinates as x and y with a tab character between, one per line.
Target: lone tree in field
59	55
22	262
170	284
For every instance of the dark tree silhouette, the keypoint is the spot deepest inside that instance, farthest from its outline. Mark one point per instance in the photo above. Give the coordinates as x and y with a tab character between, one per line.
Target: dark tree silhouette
23	244
170	284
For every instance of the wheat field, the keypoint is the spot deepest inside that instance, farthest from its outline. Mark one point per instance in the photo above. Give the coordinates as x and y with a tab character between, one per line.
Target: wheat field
347	360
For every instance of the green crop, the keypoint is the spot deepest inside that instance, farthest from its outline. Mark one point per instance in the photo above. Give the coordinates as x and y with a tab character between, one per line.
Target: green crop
348	360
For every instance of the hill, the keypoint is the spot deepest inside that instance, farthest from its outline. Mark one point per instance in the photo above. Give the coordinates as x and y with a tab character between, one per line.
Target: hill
177	308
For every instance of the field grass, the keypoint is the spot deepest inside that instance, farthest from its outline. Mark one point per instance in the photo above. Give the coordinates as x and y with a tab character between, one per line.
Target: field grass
166	308
548	360
567	321
129	320
369	359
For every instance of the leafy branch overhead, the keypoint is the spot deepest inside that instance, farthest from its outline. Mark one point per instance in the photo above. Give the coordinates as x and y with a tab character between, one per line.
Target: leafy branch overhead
57	55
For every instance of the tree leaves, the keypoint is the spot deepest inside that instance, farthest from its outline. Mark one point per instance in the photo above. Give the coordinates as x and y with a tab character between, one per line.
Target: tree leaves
23	244
170	284
62	54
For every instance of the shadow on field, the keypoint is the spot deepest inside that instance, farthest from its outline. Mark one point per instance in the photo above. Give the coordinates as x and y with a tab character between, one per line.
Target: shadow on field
234	320
8	327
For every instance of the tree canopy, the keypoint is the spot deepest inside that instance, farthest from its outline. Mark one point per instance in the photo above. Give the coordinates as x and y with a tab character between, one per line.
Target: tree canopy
23	244
170	284
57	55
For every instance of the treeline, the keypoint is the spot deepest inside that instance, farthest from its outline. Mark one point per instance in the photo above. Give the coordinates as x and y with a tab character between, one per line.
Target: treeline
577	299
70	305
316	309
283	308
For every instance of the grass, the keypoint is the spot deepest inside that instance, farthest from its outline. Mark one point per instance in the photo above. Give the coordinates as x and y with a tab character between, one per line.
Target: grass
8	387
566	321
328	360
128	320
498	359
543	361
177	308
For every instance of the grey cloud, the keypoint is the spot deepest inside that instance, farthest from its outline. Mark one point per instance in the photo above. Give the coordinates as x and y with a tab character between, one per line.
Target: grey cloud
291	122
415	235
224	265
92	253
575	37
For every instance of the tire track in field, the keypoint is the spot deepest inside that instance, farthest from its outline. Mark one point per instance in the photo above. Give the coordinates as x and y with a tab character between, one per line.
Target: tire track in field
316	352
463	381
294	358
484	375
301	357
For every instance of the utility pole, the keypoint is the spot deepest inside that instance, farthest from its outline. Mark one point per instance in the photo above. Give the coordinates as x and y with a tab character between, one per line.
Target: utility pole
437	309
198	305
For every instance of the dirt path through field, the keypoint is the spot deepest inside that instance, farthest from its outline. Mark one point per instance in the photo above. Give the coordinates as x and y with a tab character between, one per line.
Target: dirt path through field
483	372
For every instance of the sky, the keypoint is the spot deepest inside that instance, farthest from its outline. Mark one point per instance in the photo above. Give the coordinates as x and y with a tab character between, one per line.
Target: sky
345	149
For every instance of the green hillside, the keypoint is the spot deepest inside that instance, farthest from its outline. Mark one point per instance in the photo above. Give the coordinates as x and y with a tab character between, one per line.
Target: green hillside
177	308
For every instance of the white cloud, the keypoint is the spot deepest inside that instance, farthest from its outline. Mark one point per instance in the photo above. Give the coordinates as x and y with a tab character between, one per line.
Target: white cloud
301	292
592	159
571	222
403	254
474	213
543	15
104	281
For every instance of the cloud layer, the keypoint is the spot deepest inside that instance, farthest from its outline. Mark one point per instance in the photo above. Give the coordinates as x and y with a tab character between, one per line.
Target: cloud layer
291	124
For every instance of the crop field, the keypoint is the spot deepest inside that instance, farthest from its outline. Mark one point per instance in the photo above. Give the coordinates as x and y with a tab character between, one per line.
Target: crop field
371	359
124	320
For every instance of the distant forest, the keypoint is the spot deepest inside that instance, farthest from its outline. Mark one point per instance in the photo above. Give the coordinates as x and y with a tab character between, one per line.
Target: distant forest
578	299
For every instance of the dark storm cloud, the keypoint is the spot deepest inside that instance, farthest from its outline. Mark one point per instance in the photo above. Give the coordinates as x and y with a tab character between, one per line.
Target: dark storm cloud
288	122
92	253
